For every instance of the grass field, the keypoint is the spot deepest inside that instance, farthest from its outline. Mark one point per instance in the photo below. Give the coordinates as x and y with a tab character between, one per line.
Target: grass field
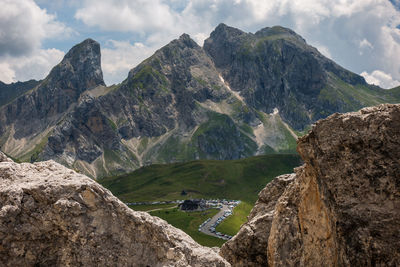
231	225
231	179
151	207
189	222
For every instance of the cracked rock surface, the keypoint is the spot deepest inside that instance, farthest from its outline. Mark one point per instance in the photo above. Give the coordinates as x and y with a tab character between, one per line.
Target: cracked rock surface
53	216
341	208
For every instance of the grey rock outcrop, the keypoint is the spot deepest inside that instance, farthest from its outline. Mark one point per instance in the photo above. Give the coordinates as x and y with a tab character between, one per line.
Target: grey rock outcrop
52	216
343	207
240	95
36	110
8	92
162	99
276	68
248	247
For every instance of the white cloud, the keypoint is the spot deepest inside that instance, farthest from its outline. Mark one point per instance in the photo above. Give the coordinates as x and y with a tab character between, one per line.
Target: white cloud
7	74
35	66
119	57
361	35
381	79
365	44
24	25
124	15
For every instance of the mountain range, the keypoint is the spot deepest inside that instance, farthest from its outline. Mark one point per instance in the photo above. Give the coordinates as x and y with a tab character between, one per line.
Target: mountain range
239	95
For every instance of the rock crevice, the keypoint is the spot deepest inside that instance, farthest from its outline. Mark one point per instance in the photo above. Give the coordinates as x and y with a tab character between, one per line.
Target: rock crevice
341	208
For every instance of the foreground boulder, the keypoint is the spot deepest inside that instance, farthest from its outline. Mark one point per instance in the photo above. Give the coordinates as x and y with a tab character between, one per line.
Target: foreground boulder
248	247
52	216
342	207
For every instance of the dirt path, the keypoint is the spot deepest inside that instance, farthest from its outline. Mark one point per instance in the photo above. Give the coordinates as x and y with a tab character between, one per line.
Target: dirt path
161	209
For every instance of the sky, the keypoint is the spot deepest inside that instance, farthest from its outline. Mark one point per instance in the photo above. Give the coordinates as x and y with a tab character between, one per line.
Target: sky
360	35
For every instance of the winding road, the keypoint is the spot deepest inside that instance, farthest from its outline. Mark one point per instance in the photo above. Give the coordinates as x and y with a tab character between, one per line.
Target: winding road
206	228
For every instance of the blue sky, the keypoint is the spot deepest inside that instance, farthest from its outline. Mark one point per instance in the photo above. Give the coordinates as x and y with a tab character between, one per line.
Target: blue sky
361	35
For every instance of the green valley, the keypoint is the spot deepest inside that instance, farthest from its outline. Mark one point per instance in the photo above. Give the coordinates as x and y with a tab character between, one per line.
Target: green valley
209	179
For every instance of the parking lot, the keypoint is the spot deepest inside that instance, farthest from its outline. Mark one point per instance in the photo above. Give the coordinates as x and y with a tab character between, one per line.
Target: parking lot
209	226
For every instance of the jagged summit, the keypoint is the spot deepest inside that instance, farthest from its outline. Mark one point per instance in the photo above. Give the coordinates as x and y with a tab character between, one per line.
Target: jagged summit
225	30
81	66
33	114
83	48
184	41
187	40
279	32
239	95
276	68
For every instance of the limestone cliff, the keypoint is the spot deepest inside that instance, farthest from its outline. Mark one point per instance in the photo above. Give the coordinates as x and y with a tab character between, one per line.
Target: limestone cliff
52	216
241	94
248	247
343	206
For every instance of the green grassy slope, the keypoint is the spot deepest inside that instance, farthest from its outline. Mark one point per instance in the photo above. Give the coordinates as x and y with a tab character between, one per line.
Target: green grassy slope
231	179
189	222
231	225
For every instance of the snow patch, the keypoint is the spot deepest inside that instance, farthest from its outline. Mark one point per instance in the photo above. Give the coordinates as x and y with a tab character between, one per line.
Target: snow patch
275	111
238	96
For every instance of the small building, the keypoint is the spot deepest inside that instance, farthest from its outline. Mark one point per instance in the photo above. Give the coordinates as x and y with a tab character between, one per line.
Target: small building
193	204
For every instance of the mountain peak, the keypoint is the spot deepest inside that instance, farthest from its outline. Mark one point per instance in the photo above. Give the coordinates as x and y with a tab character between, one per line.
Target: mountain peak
89	49
226	31
186	40
279	31
81	65
223	38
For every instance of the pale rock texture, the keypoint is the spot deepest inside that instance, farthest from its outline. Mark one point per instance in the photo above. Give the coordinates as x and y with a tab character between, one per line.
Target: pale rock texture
248	247
343	207
52	216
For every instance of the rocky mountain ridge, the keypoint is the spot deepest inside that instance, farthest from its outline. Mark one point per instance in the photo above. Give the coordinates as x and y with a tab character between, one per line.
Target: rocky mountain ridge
8	92
30	118
242	94
341	208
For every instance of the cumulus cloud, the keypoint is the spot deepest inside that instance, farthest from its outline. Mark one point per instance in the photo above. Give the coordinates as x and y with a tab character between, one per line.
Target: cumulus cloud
379	78
118	57
124	15
23	27
35	66
361	35
7	74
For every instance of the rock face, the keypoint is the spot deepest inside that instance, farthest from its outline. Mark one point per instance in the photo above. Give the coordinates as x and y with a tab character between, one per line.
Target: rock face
52	216
9	92
240	95
248	247
343	206
276	68
35	111
27	121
